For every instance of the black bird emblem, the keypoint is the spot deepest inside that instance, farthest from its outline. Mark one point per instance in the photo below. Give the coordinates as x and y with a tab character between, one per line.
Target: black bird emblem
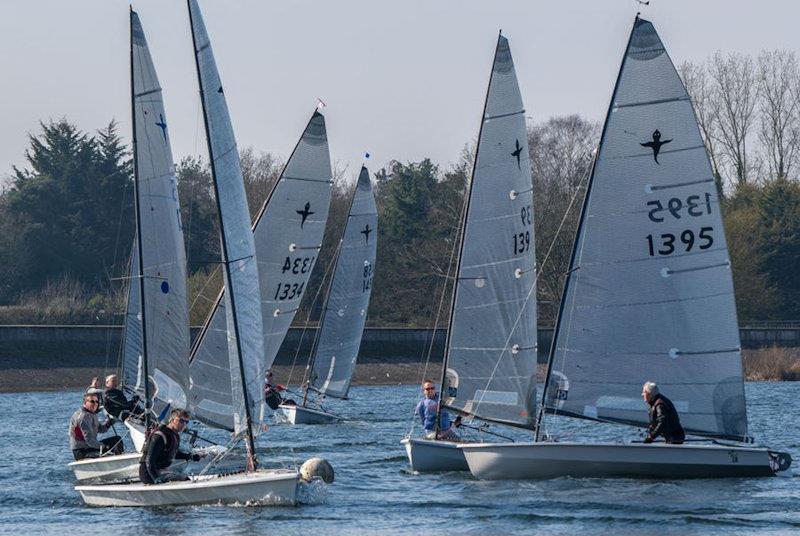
517	153
656	144
305	213
366	232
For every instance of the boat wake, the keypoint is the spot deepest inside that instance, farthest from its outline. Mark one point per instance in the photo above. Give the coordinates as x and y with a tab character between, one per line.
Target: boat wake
314	492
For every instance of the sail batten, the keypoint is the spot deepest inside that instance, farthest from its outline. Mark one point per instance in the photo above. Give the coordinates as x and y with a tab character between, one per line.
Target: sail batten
160	272
649	296
491	345
345	313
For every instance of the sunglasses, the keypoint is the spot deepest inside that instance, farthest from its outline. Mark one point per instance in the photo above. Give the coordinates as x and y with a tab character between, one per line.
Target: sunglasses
430	388
183	421
95	401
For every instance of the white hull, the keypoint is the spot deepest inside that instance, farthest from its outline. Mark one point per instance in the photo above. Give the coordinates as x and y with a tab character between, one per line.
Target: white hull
263	487
112	468
108	468
291	414
428	456
509	461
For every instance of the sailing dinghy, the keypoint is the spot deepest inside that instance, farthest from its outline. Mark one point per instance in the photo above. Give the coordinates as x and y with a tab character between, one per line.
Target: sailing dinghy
648	297
490	354
288	235
157	321
335	350
243	319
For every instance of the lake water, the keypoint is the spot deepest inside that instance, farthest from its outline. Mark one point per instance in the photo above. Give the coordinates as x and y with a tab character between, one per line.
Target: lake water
375	493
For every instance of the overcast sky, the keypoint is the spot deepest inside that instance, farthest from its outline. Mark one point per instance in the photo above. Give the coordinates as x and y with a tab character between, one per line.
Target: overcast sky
403	79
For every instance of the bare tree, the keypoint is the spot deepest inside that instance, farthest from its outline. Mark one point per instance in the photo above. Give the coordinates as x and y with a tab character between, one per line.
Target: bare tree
696	79
735	92
561	157
780	137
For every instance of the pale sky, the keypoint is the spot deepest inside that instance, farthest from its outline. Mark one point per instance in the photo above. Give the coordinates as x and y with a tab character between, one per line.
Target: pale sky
403	79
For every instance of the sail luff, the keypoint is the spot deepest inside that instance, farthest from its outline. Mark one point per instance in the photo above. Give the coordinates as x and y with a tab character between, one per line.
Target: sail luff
243	313
462	229
574	249
491	344
132	373
650	295
347	300
288	233
160	254
148	403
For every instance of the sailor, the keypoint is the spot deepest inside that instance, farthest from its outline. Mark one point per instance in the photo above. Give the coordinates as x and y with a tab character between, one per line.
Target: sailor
95	387
84	427
427	409
116	403
664	420
162	449
272	393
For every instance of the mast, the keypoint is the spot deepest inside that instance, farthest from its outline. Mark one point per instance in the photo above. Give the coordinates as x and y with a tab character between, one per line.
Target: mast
573	255
137	208
328	294
252	462
463	228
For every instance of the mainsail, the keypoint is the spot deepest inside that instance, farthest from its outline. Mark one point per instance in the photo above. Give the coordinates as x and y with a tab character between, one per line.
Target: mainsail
491	348
132	334
345	311
288	235
245	338
162	280
649	295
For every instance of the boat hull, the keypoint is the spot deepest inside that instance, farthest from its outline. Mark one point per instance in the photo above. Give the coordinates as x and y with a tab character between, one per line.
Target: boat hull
522	461
291	414
263	487
108	468
429	456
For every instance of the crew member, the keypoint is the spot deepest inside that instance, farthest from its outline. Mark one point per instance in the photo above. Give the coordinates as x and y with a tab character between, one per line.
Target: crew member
162	449
84	427
664	420
427	409
116	403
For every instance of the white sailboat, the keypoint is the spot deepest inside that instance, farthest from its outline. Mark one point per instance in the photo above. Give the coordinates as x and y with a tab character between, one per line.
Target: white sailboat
288	234
243	318
157	321
490	354
335	350
649	297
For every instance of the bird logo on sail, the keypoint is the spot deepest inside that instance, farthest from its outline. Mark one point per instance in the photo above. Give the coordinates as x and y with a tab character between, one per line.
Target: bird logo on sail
162	125
366	232
305	213
656	144
516	154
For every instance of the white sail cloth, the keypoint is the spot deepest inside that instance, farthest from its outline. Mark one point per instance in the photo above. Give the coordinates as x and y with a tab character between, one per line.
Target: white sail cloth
650	296
345	311
491	354
245	339
163	254
288	234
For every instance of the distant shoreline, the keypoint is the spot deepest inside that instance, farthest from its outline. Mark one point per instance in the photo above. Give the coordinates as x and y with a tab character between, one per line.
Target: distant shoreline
768	364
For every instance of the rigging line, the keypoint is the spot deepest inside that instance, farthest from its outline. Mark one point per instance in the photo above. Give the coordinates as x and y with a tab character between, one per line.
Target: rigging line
422	370
531	292
308	316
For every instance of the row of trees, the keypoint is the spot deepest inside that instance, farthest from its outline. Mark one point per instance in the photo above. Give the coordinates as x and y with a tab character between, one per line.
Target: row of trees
66	219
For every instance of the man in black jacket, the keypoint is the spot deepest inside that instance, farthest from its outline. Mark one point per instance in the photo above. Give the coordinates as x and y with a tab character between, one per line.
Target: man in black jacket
161	450
664	420
116	403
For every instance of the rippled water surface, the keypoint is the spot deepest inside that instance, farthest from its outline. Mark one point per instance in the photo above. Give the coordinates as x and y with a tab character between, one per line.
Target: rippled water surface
375	493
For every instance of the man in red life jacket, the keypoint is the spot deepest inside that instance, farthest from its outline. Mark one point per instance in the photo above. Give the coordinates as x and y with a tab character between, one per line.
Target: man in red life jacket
84	427
161	450
664	420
